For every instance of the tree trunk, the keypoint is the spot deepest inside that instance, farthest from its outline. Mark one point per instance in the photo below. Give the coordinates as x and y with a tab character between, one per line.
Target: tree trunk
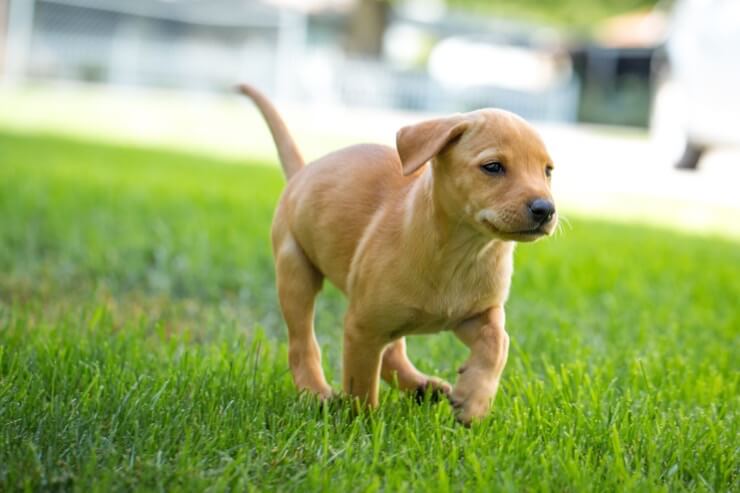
366	26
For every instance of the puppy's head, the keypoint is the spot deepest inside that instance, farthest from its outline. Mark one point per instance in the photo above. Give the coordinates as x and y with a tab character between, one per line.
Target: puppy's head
490	169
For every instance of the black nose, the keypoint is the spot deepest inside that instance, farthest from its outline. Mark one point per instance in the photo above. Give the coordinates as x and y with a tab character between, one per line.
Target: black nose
541	210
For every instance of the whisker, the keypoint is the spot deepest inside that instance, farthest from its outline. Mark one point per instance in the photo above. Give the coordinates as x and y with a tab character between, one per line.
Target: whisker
562	222
565	220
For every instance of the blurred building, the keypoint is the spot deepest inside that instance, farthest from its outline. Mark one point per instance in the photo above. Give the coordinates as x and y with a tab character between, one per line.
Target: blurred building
427	58
146	42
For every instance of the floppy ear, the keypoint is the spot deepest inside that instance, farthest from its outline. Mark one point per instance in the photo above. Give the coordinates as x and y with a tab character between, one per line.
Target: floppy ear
419	143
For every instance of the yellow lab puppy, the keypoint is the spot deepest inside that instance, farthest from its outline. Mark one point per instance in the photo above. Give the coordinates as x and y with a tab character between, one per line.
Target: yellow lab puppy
420	238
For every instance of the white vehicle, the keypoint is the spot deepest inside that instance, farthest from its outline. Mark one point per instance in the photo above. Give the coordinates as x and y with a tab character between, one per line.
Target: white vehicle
697	104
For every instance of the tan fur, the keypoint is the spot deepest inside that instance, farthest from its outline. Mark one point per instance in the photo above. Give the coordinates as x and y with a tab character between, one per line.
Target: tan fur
420	240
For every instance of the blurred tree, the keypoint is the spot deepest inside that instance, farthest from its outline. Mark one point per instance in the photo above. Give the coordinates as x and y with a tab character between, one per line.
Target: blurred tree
369	18
366	26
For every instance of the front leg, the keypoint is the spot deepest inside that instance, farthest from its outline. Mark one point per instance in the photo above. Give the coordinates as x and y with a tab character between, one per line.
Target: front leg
479	377
398	369
361	355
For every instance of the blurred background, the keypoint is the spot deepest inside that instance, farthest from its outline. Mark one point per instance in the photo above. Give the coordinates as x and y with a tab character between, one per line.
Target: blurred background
630	95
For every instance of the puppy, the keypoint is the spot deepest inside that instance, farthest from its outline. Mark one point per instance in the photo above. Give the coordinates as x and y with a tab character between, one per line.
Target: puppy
419	238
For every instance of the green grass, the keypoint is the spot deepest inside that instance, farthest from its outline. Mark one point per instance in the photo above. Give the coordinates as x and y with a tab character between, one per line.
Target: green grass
141	348
576	15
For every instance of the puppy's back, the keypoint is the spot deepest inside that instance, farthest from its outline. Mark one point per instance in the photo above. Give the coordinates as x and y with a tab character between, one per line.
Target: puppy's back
330	203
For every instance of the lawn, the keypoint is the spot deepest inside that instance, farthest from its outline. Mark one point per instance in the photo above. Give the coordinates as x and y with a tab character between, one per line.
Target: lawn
141	348
581	16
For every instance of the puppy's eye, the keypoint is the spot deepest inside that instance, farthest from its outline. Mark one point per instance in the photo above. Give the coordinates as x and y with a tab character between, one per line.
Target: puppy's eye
493	168
548	171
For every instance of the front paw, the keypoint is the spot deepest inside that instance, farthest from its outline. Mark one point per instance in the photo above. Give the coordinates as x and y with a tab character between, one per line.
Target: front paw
433	387
471	400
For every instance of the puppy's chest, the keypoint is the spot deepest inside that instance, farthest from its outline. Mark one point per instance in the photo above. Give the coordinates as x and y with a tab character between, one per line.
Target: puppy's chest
451	299
458	295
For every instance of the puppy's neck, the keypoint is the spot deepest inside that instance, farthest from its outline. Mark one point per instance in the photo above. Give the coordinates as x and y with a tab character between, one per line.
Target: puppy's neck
438	234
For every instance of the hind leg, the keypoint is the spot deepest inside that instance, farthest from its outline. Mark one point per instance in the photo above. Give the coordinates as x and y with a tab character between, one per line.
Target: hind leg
398	369
298	283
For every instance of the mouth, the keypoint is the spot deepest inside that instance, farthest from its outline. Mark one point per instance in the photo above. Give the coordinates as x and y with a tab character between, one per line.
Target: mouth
533	232
520	235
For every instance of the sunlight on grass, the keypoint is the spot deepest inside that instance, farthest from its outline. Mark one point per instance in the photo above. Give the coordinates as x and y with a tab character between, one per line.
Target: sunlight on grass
228	127
222	125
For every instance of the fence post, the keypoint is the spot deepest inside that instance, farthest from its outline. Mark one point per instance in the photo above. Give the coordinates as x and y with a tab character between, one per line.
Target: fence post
3	33
291	44
19	35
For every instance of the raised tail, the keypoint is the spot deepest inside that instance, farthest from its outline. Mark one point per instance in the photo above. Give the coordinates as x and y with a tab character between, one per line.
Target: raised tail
290	156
